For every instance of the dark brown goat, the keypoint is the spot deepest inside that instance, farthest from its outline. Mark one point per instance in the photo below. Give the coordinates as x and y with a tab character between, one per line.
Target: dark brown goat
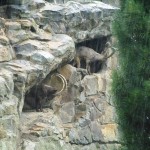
44	93
39	95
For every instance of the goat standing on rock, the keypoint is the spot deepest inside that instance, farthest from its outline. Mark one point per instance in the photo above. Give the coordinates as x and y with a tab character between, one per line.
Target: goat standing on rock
89	55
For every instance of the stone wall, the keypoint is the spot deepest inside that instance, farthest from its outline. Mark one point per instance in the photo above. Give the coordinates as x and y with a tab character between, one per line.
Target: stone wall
83	115
37	39
80	21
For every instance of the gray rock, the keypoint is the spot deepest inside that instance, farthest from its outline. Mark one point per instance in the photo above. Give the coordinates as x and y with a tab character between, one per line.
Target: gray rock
42	57
6	53
96	132
74	136
17	36
3	133
66	118
110	146
12	26
67	112
112	2
92	146
84	122
85	135
80	21
4	40
81	1
28	145
6	85
36	4
90	85
28	46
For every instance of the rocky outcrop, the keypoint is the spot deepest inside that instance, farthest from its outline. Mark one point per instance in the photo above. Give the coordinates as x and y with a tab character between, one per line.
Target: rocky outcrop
110	2
80	21
36	39
27	55
84	115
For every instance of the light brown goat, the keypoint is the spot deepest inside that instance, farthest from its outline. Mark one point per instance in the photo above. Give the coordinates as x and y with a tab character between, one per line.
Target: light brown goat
89	55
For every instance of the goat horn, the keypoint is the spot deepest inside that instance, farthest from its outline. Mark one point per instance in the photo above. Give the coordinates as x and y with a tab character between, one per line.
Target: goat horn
64	81
113	51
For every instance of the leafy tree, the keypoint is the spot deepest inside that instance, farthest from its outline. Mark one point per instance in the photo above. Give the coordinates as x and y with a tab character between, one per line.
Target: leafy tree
131	80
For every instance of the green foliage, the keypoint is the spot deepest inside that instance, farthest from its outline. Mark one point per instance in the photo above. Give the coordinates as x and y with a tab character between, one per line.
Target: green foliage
131	81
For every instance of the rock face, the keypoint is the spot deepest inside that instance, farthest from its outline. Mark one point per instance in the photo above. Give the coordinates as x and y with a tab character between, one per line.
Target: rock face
26	58
80	21
84	115
110	2
36	39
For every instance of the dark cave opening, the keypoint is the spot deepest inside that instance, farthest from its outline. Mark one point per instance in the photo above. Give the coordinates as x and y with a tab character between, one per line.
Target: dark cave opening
38	98
98	45
33	29
43	93
30	99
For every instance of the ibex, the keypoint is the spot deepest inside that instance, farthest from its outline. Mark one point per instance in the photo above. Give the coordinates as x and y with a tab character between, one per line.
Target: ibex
89	55
43	92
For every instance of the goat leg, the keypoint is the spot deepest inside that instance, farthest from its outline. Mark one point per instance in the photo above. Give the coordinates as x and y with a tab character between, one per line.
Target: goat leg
39	104
88	66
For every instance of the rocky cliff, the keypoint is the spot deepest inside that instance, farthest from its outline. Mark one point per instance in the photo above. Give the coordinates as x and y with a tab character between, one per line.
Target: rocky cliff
37	40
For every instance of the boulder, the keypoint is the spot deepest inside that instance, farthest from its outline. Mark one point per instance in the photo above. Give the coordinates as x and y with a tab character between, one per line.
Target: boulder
96	132
6	53
109	132
90	85
67	112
